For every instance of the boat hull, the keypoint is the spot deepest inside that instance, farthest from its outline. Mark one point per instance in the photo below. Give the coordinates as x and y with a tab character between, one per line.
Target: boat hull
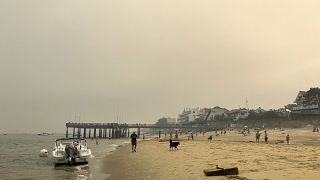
61	159
65	161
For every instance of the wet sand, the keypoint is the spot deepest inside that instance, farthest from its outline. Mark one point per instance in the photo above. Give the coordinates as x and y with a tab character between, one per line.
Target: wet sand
154	160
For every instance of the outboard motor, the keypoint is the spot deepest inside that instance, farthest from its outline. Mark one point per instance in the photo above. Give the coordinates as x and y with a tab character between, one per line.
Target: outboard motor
69	153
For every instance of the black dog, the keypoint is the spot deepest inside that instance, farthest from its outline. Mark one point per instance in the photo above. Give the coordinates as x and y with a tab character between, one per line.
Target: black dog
174	144
210	138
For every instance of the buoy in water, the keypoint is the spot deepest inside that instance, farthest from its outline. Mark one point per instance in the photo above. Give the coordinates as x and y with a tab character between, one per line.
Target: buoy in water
43	153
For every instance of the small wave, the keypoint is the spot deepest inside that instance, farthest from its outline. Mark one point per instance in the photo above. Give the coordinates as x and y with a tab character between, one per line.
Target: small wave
114	145
78	168
81	176
126	142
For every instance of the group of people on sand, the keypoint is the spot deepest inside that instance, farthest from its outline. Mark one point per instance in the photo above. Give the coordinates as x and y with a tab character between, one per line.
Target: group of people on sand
258	134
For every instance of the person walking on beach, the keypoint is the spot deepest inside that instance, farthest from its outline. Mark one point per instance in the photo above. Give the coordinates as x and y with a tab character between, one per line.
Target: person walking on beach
134	141
266	137
257	137
288	138
192	136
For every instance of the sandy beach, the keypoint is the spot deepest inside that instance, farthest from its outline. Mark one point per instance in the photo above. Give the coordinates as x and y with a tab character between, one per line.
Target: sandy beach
276	160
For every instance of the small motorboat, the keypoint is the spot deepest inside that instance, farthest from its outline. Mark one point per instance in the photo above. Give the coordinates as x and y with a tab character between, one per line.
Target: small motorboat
44	134
71	151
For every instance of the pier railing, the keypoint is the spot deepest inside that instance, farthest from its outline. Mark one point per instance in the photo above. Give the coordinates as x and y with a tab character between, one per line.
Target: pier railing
115	130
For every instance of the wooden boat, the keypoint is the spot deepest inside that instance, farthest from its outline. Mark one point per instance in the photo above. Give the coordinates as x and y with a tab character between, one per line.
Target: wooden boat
221	171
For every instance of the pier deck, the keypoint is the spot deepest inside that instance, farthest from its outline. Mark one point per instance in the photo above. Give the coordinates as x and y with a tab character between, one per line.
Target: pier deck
115	130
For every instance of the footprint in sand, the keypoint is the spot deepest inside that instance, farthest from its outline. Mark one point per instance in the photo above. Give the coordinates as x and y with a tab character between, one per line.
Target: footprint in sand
242	161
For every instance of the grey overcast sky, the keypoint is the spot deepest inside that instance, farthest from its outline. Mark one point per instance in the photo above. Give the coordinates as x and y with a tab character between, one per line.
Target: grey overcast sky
146	59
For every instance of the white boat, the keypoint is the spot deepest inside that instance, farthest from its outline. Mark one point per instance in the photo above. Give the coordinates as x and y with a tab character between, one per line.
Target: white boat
71	151
44	134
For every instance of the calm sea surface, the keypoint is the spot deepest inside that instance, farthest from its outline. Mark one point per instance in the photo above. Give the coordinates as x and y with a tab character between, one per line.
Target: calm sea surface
19	158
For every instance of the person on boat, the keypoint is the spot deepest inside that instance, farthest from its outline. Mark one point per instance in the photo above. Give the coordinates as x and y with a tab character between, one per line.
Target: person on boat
76	151
134	141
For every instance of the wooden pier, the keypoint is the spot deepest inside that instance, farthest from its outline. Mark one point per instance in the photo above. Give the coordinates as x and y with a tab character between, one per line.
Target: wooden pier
113	130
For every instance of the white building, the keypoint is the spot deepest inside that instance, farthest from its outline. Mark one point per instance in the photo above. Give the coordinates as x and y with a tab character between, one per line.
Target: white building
217	111
189	115
194	114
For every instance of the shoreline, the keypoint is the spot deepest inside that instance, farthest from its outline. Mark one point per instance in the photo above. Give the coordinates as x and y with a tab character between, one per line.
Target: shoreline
154	160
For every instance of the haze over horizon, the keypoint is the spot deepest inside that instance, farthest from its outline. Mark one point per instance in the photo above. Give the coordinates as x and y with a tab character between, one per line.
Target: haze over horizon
144	60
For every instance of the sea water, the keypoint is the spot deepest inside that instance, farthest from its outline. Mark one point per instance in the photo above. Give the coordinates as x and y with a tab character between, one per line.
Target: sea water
19	158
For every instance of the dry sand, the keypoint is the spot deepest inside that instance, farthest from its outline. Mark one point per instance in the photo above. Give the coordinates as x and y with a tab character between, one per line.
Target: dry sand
154	160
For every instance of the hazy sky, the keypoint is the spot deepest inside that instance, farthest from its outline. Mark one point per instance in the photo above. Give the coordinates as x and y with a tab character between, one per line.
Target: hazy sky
146	59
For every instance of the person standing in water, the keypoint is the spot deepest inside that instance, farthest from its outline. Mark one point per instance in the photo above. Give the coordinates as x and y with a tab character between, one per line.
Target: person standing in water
134	141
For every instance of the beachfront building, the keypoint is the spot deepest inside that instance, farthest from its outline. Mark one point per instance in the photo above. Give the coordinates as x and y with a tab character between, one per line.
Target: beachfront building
171	120
195	114
217	111
183	118
306	102
301	98
190	115
166	121
201	114
237	114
